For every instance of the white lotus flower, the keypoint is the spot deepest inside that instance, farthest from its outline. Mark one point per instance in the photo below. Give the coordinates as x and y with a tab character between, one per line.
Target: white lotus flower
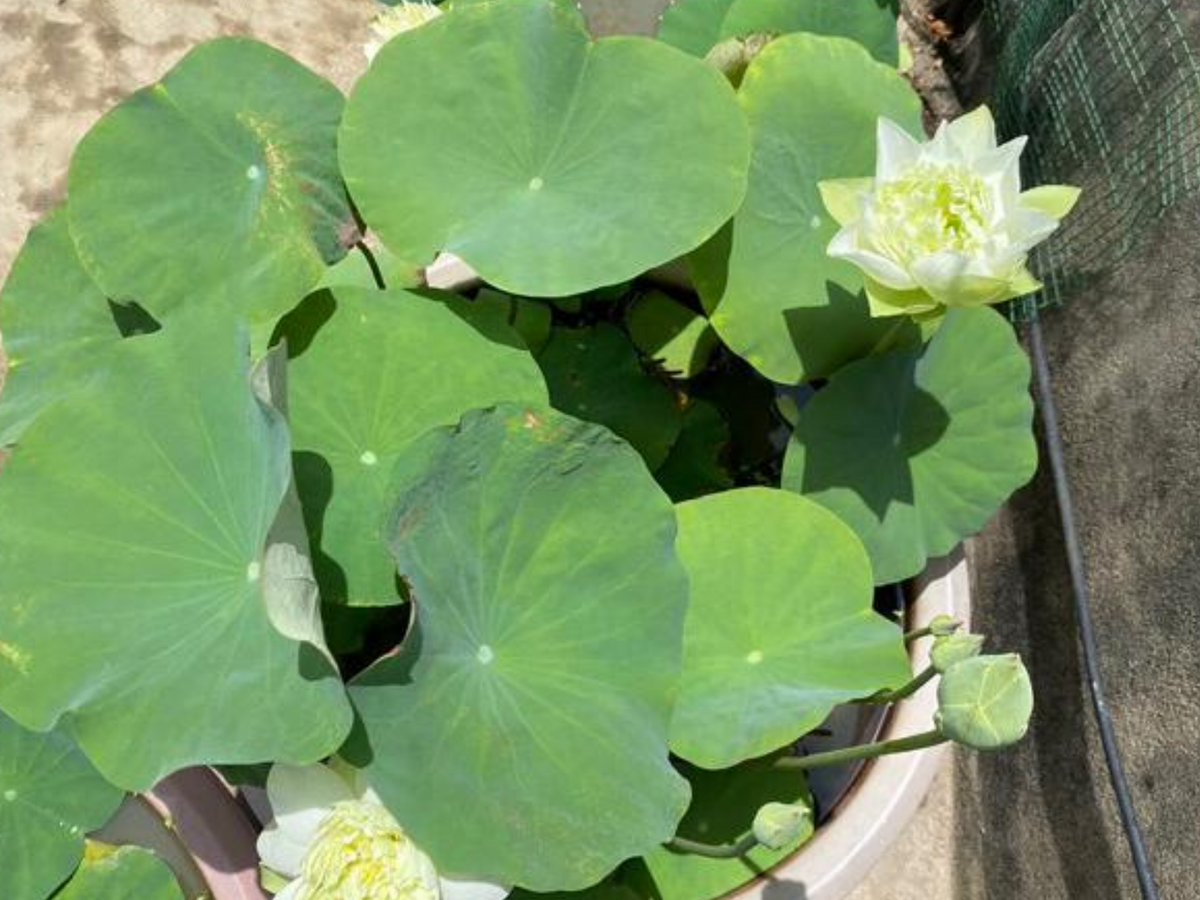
404	16
333	839
943	223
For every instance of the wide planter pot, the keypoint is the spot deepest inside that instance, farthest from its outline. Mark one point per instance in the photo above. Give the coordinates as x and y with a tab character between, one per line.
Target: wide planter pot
885	793
195	824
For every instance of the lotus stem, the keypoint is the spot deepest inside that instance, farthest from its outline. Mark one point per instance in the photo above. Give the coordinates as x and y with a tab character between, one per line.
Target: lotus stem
864	751
738	849
904	691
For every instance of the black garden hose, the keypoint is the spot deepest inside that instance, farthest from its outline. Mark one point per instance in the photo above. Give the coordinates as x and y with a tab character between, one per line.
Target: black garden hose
1083	614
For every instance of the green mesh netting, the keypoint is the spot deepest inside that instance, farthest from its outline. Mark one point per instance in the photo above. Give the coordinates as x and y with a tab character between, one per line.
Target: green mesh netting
1109	93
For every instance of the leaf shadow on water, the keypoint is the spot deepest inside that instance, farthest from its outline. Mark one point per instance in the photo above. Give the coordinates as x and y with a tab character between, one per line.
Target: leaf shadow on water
862	432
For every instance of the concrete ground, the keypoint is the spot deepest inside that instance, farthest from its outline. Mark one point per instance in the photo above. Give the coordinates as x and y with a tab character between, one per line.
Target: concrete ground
1035	822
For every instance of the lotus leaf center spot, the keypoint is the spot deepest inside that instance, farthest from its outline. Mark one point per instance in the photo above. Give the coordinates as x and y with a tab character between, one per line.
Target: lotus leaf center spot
254	173
368	458
253	572
485	654
754	657
536	184
10	795
815	222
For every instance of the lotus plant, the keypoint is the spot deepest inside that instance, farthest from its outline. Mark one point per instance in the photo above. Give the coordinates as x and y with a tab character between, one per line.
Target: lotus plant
526	577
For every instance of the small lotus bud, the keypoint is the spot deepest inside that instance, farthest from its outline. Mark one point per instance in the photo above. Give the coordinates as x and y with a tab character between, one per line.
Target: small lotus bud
778	825
733	56
943	625
985	702
954	648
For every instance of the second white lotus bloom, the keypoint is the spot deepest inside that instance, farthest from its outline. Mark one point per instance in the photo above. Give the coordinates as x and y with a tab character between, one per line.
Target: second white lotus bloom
943	223
333	839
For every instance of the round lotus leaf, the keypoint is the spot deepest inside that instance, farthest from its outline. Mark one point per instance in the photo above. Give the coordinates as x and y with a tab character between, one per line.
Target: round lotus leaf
219	184
724	805
513	321
536	163
916	450
693	26
140	591
50	796
570	7
536	690
383	369
826	338
780	628
985	702
121	873
595	374
813	104
951	649
871	23
55	324
609	889
679	340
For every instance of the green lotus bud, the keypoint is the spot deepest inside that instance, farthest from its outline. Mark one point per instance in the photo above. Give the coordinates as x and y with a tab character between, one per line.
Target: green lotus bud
985	702
778	825
943	625
954	648
733	56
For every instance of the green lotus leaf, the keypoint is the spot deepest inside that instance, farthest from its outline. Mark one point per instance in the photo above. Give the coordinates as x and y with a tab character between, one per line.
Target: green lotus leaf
609	889
121	873
50	796
595	374
513	321
696	464
724	805
696	26
986	702
693	26
536	163
537	687
826	338
490	314
780	628
142	591
55	323
678	339
383	368
916	450
812	103
865	21
219	184
570	7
